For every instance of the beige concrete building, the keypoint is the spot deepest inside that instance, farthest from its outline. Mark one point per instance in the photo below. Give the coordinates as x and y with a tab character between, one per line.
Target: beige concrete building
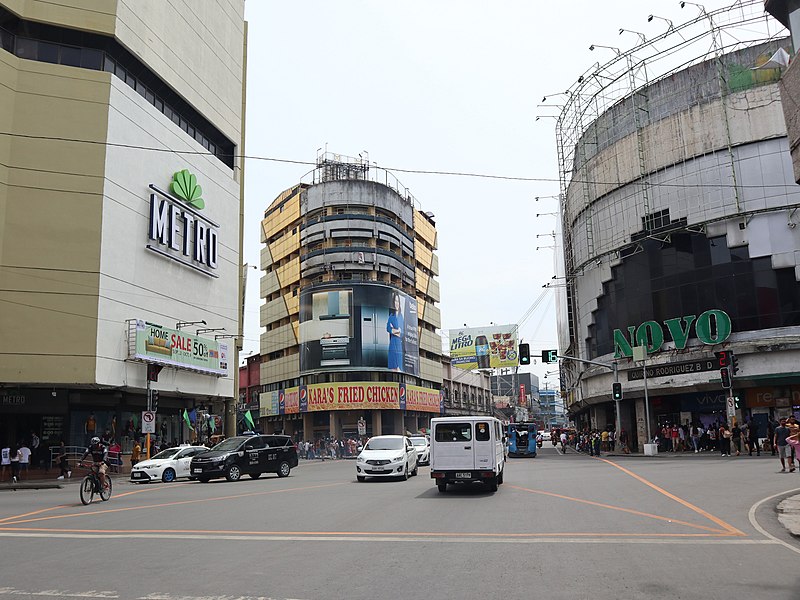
350	294
101	104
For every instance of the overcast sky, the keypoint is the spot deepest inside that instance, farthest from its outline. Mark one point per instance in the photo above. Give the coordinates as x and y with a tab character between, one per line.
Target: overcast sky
446	85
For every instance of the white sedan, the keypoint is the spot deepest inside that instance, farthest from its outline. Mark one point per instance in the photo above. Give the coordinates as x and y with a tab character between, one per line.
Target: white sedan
166	466
387	456
423	448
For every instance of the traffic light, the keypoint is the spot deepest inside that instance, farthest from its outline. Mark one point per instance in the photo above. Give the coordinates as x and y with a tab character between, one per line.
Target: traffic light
736	402
734	364
616	390
524	354
154	400
549	356
153	371
725	375
723	358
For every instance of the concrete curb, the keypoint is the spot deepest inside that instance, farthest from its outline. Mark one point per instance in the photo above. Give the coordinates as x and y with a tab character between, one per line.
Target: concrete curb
789	514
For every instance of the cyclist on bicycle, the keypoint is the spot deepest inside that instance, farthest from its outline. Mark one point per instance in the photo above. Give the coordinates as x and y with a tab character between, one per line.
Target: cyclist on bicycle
99	453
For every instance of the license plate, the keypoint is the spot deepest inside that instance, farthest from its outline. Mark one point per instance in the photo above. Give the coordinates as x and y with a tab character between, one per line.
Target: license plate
378	469
197	470
136	475
463	475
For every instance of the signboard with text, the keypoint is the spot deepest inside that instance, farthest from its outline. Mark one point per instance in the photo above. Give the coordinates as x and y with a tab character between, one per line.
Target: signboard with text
161	345
484	347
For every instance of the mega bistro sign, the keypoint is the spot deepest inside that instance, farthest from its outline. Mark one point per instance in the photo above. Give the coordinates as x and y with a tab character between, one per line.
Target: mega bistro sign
178	230
711	327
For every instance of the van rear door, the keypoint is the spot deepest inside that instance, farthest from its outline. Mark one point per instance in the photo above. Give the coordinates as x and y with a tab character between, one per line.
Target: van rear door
483	446
454	446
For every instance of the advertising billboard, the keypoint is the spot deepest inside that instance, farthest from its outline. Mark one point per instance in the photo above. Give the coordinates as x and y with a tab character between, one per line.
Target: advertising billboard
484	347
350	396
170	347
360	326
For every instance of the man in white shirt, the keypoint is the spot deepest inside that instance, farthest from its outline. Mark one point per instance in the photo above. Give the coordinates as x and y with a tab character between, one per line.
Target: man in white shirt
24	460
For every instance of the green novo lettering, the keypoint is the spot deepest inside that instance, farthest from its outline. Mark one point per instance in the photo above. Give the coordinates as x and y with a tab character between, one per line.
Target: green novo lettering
650	330
721	323
622	346
680	335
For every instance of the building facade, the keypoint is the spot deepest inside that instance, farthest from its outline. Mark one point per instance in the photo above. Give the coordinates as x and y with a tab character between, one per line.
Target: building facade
466	392
120	203
679	212
350	313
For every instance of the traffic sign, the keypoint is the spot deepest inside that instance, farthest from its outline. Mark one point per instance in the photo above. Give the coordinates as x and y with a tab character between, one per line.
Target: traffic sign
148	421
730	404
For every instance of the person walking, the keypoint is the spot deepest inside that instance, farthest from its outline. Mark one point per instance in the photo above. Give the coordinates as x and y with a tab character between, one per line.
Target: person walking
24	460
724	436
15	456
752	438
779	441
63	465
771	435
136	453
736	437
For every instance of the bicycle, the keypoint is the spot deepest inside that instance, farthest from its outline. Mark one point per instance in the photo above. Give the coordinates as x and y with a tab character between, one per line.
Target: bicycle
91	485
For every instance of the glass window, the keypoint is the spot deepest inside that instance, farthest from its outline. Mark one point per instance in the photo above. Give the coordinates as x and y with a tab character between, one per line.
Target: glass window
482	432
70	56
27	48
255	443
48	53
453	432
92	59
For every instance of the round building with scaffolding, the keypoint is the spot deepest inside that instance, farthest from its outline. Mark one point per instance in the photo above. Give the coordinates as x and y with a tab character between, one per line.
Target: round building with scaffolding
679	212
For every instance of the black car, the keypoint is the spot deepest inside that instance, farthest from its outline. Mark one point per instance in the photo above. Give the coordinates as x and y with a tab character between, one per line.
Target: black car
252	454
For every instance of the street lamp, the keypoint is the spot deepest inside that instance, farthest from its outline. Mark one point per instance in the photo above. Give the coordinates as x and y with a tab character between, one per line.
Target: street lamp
209	329
616	50
180	324
641	35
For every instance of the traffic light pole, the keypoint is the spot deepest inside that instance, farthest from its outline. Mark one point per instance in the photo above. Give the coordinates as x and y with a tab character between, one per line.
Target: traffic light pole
615	369
147	436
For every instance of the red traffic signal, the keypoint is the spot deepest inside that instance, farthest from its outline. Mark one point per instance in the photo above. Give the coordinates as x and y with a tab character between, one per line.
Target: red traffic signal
725	375
723	358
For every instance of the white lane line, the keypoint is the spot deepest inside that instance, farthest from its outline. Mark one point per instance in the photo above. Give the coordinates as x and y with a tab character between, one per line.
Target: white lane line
337	538
10	591
752	516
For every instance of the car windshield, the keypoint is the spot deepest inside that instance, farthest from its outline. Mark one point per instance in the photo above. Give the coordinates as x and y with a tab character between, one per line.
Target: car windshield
385	444
168	453
227	445
419	441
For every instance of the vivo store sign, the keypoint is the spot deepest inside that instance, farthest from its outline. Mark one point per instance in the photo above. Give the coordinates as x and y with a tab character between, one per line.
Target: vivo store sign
177	228
711	327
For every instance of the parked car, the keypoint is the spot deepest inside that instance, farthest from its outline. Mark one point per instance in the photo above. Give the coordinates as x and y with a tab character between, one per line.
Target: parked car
423	447
387	456
167	466
246	454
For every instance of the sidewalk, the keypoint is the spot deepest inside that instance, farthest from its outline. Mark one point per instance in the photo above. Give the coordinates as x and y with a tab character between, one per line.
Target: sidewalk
42	479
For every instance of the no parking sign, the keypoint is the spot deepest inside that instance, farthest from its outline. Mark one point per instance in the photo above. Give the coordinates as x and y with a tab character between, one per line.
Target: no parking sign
148	421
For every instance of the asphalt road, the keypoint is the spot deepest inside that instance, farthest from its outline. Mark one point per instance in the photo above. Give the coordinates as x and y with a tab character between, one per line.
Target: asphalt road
695	526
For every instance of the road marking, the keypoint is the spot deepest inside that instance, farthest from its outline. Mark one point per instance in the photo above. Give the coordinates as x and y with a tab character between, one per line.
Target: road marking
619	508
87	513
554	538
10	591
751	515
35	512
730	528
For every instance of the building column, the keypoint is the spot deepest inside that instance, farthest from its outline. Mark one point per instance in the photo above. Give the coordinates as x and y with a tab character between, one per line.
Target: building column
376	422
308	425
332	428
399	425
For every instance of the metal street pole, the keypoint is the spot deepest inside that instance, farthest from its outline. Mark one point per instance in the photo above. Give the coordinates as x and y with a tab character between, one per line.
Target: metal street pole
618	424
646	400
149	405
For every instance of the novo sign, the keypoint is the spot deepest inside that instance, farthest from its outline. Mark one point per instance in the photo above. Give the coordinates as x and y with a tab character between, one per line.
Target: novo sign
711	327
178	230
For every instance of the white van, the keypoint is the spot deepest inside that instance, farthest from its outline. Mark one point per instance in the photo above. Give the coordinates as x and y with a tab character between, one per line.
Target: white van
467	449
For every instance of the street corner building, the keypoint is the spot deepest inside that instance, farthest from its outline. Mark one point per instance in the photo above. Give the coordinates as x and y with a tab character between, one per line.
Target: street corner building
121	128
679	213
350	294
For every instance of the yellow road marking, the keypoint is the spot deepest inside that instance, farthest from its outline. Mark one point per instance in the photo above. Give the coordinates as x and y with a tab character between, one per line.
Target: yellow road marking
621	509
88	513
730	528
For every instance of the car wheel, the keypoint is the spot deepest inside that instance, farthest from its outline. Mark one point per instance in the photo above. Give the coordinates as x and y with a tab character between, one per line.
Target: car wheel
284	469
415	471
203	479
234	473
405	473
168	476
500	477
442	487
361	478
254	475
493	485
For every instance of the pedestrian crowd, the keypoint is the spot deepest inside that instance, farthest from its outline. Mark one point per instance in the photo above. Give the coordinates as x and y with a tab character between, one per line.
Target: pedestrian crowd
328	448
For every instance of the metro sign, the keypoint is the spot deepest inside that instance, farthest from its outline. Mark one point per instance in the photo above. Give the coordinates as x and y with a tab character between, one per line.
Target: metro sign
181	233
711	327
